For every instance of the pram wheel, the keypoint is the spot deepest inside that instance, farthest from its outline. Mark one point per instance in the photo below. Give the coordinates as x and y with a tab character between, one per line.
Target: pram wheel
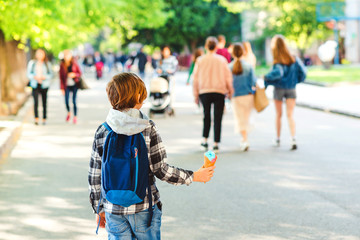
171	112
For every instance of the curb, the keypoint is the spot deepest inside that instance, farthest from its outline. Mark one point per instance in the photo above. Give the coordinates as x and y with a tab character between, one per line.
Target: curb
318	84
329	110
13	129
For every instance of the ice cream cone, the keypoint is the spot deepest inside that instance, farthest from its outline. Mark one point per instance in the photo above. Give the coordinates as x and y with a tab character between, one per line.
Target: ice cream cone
209	159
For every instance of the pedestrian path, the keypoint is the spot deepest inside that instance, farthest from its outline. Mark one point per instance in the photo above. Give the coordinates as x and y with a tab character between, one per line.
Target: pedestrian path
344	99
266	193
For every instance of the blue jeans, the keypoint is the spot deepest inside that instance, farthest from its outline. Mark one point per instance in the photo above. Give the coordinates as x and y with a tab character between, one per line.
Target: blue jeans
134	226
72	89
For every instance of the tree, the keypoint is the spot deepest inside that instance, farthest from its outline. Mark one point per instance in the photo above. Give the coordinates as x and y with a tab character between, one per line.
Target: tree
294	19
59	24
189	23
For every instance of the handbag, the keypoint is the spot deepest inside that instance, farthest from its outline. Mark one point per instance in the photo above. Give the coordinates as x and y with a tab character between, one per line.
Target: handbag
261	101
81	84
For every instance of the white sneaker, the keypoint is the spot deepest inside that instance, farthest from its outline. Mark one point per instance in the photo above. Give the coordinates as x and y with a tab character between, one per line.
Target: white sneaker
276	143
216	149
293	144
244	146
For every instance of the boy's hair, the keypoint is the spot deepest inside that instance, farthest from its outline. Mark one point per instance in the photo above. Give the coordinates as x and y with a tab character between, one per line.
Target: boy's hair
125	90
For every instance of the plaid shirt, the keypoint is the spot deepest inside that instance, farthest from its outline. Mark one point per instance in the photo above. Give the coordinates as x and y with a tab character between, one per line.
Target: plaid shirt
158	167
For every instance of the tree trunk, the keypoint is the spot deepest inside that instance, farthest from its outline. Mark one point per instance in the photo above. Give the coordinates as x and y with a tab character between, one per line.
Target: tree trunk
13	78
3	72
193	45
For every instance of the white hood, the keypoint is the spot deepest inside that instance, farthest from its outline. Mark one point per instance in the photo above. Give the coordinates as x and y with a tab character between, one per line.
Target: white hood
128	122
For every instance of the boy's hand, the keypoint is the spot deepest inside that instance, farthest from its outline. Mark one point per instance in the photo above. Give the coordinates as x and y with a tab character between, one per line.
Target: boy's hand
102	220
204	174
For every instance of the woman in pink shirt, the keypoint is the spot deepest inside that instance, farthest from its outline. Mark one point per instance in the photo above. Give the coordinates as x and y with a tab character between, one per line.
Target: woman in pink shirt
212	82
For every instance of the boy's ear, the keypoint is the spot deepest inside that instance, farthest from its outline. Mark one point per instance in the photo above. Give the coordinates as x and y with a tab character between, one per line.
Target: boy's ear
139	98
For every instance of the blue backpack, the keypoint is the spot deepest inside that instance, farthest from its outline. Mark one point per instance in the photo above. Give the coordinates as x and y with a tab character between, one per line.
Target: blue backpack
125	170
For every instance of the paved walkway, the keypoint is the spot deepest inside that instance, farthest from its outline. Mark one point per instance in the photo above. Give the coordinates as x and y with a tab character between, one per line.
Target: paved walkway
266	193
343	99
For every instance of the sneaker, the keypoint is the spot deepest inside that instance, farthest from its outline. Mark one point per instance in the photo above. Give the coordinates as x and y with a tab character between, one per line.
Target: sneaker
68	118
244	146
75	120
216	149
293	144
204	146
277	143
36	121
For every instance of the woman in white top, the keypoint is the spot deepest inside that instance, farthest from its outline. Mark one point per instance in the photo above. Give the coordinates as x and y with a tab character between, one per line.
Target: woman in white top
168	63
39	73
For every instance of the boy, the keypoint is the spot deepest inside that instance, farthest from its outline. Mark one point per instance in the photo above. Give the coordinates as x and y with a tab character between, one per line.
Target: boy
126	93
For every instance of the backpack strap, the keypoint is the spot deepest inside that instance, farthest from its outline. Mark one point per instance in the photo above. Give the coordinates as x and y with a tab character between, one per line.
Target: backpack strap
151	210
33	67
101	195
107	126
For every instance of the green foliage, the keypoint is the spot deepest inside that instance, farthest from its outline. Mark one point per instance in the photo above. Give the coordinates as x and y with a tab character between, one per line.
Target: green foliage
294	19
189	23
59	24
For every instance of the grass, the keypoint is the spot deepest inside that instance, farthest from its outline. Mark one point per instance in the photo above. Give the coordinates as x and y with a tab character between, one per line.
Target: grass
336	74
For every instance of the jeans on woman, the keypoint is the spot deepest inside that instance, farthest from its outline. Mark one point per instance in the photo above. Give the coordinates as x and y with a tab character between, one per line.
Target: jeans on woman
207	100
43	92
134	226
73	90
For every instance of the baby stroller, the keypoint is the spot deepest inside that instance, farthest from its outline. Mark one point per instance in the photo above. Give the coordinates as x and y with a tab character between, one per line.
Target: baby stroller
160	98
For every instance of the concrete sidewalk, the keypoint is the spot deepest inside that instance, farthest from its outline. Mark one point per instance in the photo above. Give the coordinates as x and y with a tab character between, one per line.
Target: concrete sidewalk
339	99
342	99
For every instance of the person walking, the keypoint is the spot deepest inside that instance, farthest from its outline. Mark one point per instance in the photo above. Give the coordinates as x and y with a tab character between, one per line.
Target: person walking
212	81
142	60
198	52
287	71
39	72
99	64
168	63
142	220
221	49
110	60
122	59
244	82
69	76
248	54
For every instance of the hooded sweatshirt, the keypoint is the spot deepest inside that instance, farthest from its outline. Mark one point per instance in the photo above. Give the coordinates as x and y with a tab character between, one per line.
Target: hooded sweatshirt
130	122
